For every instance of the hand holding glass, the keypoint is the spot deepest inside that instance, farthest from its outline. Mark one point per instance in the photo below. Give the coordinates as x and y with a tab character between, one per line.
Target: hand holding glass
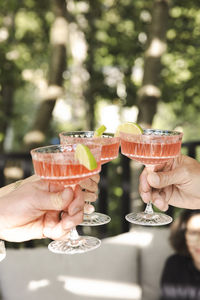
152	147
59	165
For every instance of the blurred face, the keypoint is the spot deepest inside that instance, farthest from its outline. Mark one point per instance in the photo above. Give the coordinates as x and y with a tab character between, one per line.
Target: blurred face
193	238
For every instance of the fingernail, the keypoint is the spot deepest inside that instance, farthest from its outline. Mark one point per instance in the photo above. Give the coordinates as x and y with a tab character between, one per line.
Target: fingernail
146	196
154	178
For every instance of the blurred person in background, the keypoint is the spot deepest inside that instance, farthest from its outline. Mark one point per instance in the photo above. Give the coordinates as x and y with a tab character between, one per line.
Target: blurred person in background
181	275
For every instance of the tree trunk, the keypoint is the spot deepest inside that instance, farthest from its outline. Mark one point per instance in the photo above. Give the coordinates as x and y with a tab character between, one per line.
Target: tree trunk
7	100
8	84
94	79
149	94
58	40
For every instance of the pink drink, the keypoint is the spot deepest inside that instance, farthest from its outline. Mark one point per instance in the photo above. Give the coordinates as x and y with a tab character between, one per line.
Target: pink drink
64	174
152	147
110	144
110	149
58	164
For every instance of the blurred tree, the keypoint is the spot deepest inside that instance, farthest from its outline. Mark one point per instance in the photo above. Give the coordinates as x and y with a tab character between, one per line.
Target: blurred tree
180	75
149	93
9	72
119	36
23	38
57	64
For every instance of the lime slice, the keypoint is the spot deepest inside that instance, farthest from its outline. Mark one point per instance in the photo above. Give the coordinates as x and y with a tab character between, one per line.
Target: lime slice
99	131
129	127
85	157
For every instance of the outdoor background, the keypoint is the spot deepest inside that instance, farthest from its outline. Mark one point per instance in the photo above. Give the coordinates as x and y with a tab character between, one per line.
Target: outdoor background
75	65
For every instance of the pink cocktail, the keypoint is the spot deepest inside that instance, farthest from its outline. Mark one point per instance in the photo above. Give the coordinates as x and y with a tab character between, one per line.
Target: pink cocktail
60	168
58	164
110	150
109	143
152	147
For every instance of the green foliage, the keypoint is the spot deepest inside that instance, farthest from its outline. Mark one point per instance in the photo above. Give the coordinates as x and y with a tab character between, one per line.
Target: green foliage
24	27
181	67
112	30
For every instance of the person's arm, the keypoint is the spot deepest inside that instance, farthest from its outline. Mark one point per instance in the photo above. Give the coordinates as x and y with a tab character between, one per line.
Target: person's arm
176	183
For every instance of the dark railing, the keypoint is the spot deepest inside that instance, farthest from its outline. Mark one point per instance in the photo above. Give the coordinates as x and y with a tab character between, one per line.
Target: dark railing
23	160
191	148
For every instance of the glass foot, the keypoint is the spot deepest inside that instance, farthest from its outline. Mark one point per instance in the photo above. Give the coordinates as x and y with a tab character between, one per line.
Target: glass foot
95	219
84	244
153	219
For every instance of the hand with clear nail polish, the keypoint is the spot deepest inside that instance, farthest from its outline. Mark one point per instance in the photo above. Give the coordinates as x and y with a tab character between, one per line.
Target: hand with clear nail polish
176	182
31	209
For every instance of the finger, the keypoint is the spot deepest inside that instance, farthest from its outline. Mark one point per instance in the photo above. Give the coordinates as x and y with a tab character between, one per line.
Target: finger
52	225
40	184
45	185
78	202
89	185
144	186
89	197
159	200
88	208
164	179
95	178
68	222
146	197
54	201
55	233
51	219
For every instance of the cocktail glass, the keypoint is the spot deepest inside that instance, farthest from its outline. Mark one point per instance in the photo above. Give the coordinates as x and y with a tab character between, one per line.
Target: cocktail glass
110	151
153	147
57	164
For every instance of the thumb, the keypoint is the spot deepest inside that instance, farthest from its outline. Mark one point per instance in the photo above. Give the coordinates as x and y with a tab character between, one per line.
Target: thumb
56	201
164	179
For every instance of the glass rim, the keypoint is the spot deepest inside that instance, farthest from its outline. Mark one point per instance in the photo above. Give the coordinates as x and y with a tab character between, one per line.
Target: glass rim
107	137
155	133
168	132
38	150
89	132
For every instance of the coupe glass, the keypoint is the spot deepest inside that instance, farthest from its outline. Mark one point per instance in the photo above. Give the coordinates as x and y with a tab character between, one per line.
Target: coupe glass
110	150
58	164
153	147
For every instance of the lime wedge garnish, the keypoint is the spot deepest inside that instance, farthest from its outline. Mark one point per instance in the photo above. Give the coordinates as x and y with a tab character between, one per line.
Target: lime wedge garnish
99	131
85	157
129	127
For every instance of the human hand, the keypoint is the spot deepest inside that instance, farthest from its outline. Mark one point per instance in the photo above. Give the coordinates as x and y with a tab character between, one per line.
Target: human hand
33	210
90	192
175	183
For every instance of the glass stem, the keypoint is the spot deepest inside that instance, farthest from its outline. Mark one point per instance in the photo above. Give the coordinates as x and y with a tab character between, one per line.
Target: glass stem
74	237
149	208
